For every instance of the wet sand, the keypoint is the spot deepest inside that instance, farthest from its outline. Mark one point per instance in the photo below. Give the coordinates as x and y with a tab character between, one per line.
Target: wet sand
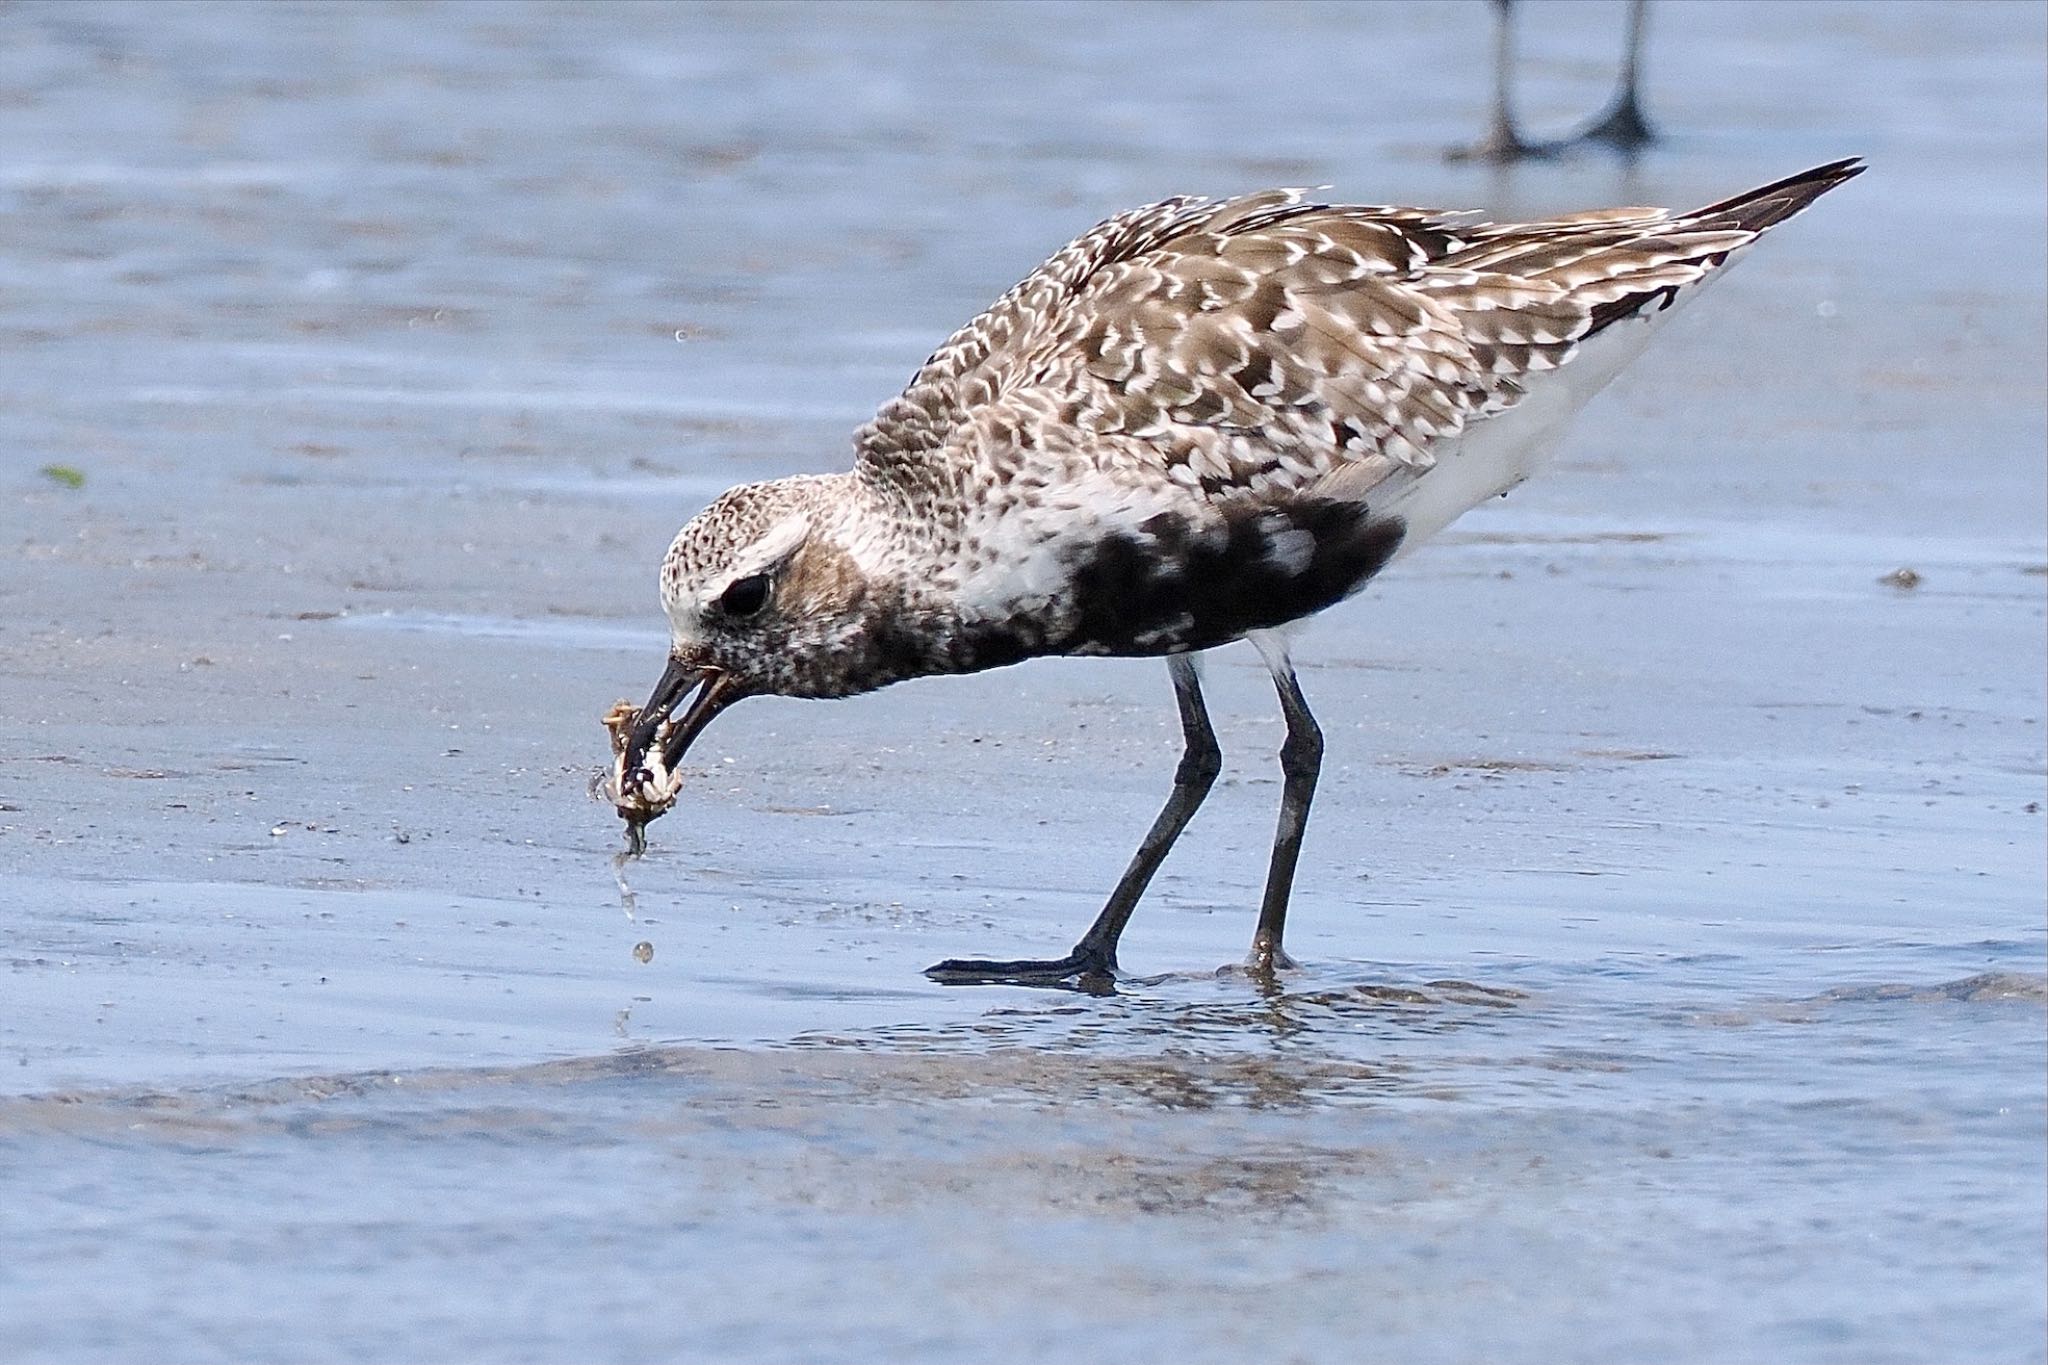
1672	919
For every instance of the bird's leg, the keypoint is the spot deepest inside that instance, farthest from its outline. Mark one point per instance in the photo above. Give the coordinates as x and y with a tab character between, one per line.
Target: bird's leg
1623	124
1301	759
1503	141
1093	961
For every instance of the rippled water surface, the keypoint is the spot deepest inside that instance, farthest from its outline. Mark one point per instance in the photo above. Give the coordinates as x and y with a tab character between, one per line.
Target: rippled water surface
1672	921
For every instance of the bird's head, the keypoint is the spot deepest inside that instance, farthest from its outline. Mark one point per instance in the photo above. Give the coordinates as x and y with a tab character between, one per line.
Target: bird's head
762	599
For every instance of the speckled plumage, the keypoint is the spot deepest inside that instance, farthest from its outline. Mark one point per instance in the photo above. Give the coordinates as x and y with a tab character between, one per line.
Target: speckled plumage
1214	363
1200	420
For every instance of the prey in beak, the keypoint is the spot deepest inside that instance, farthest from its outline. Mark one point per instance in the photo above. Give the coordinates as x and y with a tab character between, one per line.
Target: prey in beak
648	742
755	607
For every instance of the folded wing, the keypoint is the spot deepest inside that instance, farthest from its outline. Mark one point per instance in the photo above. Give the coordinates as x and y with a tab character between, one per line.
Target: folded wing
1254	348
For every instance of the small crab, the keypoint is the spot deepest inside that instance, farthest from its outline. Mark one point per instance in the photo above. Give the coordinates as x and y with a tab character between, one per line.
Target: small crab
652	788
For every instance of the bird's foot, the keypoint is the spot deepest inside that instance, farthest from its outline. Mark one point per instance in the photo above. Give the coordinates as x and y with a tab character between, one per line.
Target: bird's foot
1088	970
1622	127
1264	965
1502	149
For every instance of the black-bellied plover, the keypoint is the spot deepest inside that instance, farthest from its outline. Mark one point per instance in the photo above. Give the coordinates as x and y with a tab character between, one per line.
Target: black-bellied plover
1199	422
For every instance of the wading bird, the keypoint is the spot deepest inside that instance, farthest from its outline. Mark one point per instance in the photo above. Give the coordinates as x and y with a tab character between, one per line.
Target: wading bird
1199	422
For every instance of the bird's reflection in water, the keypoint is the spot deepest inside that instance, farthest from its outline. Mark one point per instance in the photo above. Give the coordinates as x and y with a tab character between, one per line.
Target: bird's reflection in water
1198	1042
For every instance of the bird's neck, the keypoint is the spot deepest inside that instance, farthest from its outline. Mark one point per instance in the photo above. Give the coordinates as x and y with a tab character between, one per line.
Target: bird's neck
890	594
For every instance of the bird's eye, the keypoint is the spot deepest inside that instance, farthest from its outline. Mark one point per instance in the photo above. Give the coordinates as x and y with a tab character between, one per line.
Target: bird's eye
746	595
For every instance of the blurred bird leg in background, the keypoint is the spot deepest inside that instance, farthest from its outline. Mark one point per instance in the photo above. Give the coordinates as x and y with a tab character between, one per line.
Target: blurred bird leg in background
1622	125
1503	141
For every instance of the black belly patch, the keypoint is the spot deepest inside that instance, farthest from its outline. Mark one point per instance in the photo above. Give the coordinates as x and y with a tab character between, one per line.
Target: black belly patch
1176	583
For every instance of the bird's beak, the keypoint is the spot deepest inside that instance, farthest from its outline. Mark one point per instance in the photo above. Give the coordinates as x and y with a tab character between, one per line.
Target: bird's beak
715	692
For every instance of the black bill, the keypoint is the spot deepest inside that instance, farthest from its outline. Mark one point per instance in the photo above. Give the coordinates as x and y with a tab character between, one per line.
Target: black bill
714	693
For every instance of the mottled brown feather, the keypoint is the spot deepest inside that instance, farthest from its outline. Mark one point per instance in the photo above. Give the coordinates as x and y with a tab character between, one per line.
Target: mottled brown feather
1249	347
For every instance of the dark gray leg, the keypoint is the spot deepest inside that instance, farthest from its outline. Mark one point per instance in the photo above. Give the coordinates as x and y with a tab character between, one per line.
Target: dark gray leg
1093	960
1503	141
1623	124
1301	759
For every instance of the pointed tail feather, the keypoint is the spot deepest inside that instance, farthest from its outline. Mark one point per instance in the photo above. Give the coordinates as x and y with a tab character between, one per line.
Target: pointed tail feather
1751	213
1764	207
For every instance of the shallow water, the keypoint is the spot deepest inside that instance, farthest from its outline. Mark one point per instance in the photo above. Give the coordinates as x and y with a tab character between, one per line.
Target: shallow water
1672	919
